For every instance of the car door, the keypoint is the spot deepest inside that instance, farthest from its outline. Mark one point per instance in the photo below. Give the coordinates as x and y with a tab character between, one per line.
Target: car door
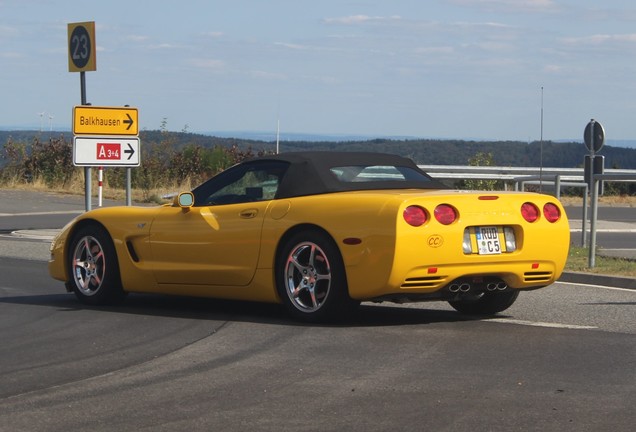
218	240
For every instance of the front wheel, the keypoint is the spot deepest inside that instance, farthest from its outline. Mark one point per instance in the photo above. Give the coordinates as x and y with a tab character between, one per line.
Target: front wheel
488	303
93	267
311	279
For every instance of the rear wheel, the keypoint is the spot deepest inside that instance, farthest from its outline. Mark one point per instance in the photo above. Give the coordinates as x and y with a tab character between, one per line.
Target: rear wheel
488	303
93	267
311	278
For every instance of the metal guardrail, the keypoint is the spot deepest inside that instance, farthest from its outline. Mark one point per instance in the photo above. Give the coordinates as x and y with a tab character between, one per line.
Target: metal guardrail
454	172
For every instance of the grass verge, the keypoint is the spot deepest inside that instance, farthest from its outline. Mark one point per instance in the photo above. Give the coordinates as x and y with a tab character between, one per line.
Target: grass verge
578	261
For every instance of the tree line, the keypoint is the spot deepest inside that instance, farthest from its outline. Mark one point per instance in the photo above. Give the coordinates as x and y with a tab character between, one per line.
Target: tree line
178	157
422	151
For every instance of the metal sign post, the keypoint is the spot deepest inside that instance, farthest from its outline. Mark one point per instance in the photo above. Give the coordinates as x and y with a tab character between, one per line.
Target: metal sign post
594	138
82	58
107	135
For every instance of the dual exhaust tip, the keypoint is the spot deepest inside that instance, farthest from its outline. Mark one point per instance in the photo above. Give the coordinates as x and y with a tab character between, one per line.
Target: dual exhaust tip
465	287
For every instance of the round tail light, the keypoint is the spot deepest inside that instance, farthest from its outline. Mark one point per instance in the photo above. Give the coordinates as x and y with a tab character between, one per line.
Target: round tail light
551	212
445	214
530	212
415	216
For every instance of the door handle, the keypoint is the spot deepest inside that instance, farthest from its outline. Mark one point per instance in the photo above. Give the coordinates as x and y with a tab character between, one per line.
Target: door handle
248	214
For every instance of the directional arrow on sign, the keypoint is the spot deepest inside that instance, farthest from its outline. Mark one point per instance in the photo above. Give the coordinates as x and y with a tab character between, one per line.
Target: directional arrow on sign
129	122
130	151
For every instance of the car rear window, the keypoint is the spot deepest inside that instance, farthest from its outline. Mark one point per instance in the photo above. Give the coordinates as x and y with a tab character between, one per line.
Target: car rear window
375	173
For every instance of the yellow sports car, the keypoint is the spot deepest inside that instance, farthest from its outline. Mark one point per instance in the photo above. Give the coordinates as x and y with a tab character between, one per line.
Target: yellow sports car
320	232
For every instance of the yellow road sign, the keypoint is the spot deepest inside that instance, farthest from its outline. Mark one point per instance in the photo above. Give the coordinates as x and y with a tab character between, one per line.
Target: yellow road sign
95	120
81	47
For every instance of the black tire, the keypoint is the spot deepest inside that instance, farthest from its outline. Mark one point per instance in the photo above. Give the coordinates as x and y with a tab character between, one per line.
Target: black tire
311	279
488	303
93	267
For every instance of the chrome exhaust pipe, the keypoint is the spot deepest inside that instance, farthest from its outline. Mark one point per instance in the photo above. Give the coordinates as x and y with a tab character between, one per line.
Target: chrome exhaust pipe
491	286
464	287
502	286
453	288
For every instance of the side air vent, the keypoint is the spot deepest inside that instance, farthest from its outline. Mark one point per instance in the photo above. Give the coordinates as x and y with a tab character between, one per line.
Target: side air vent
131	251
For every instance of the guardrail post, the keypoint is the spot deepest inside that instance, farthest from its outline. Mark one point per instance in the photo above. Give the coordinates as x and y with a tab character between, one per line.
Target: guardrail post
557	186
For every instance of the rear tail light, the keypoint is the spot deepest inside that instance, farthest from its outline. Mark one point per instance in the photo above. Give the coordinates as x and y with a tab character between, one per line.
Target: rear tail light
530	212
445	214
415	216
551	212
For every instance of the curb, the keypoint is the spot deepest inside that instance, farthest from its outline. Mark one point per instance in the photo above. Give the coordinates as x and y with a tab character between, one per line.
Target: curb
597	279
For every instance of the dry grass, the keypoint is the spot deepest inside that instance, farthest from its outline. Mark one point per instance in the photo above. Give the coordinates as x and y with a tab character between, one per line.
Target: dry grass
613	200
76	187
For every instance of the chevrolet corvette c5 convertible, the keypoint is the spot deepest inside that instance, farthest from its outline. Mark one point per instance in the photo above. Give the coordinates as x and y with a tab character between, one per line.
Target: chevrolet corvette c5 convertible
320	232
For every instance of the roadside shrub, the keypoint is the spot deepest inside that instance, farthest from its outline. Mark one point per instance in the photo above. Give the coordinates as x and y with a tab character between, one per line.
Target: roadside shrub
481	159
49	162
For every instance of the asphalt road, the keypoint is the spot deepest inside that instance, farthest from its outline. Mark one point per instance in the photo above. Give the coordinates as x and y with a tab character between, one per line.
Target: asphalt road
561	359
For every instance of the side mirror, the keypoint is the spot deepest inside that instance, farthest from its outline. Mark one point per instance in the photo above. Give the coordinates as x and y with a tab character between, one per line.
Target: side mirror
185	200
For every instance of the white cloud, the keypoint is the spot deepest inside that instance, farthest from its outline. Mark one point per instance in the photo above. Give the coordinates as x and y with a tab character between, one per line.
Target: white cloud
268	75
136	38
435	50
291	45
511	5
553	69
211	64
163	46
11	55
214	34
361	19
600	39
8	32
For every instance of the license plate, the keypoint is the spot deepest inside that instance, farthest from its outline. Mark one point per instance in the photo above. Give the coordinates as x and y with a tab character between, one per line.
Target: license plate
488	242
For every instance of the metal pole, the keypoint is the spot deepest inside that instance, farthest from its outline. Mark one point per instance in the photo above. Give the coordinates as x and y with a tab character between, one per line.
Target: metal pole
592	254
584	217
593	202
87	170
128	187
541	148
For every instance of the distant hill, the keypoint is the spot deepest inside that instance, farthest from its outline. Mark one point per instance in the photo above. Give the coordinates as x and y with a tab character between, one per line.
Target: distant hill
422	151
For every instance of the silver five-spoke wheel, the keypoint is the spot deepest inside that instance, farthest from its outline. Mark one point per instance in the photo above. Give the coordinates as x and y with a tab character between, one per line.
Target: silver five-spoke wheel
307	277
89	265
93	268
311	279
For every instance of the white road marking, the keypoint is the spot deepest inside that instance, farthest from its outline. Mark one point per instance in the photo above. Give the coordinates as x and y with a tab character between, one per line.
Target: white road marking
540	324
597	286
42	213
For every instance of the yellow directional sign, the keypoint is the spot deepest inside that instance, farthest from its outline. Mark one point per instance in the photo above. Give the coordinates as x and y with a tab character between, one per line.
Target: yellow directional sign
95	120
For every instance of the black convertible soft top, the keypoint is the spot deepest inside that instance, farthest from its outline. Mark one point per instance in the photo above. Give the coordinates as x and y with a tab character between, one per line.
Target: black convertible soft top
319	172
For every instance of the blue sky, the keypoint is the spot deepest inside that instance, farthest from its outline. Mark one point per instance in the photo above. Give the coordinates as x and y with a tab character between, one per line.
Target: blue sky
468	69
